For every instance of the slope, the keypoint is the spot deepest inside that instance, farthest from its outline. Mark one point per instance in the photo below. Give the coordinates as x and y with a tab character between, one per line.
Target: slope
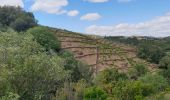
100	53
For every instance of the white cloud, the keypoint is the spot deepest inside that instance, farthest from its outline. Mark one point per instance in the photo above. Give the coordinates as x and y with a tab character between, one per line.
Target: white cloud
91	16
73	13
50	6
158	26
11	3
123	1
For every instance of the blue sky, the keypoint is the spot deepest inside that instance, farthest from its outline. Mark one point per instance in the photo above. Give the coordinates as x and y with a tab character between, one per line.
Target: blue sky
102	17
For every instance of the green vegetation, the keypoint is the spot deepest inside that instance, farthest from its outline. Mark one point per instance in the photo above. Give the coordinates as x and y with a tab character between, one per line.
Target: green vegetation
26	69
45	37
138	71
78	70
33	66
120	87
148	48
29	72
150	52
16	18
165	62
95	93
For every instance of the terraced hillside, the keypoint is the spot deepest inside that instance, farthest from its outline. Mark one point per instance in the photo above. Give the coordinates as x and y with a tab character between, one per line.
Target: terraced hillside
100	53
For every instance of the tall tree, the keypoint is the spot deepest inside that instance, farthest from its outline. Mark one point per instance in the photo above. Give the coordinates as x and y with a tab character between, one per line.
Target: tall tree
16	18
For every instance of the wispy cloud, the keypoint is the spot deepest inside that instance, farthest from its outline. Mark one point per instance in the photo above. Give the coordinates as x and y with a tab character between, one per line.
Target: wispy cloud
73	13
158	26
91	17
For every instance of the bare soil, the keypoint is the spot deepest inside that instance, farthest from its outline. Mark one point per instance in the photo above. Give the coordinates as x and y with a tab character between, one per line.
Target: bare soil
100	53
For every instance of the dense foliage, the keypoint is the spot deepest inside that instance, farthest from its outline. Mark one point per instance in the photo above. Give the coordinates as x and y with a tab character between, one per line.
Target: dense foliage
45	37
16	18
26	69
150	52
29	72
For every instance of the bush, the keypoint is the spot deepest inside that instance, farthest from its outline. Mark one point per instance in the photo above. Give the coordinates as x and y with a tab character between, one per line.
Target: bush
138	90
45	37
10	96
77	69
94	93
158	82
72	91
166	74
159	96
139	70
131	90
110	76
165	62
107	79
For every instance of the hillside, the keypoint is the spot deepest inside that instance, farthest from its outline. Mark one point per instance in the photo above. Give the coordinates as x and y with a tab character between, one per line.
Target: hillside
43	63
100	53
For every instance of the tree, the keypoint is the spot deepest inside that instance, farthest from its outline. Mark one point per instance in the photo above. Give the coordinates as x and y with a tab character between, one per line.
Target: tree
16	18
24	22
150	52
27	70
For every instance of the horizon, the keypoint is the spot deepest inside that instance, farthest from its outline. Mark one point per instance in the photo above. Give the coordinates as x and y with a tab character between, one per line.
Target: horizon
101	17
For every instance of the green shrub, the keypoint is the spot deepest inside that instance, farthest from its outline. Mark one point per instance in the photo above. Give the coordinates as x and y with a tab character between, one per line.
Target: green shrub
110	76
45	37
131	90
158	82
165	62
10	96
72	90
77	69
137	71
159	96
95	93
166	74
